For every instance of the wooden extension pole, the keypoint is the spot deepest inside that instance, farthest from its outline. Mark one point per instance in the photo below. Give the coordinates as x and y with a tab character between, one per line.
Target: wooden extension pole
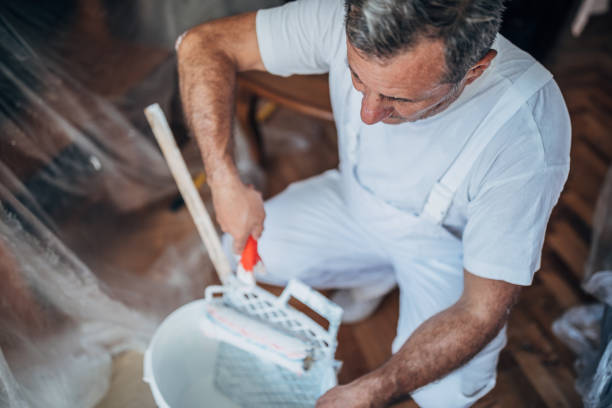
178	168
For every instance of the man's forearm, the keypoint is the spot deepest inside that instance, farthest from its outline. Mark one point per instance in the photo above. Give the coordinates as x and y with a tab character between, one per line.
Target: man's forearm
207	79
208	58
441	344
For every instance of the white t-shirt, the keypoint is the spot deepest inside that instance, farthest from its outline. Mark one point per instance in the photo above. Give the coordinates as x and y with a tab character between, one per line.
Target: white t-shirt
501	210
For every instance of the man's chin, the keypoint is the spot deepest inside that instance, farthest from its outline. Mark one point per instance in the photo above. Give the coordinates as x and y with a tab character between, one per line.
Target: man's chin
396	120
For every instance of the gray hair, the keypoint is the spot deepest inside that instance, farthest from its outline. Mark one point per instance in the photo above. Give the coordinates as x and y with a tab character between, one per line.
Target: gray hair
384	28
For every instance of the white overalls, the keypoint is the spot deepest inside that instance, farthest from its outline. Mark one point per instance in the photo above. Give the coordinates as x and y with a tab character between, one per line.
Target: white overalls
331	232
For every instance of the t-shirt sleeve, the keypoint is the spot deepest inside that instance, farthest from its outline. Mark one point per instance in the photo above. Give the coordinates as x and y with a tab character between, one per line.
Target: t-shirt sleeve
506	225
516	190
300	37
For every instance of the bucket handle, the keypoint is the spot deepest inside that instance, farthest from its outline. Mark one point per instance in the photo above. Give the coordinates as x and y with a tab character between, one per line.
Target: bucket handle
212	290
315	301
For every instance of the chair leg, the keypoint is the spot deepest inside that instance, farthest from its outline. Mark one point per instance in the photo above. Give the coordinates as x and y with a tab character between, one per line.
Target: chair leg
246	114
257	136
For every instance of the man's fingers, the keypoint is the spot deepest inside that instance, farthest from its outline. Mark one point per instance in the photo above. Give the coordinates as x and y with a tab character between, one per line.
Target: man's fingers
239	244
257	231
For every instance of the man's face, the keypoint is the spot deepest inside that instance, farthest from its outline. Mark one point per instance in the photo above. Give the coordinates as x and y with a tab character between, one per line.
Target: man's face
404	88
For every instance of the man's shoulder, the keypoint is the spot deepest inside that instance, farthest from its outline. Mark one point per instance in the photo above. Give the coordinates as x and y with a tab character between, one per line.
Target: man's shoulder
536	139
540	130
511	61
552	124
534	142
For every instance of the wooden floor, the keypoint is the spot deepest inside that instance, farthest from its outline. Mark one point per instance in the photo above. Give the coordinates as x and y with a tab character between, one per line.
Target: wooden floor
535	369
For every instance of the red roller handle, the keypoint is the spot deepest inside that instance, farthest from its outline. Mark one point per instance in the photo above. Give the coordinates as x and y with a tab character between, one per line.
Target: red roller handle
250	256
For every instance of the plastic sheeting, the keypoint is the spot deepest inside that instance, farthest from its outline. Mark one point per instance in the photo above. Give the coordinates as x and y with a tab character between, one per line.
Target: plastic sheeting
587	329
77	169
598	279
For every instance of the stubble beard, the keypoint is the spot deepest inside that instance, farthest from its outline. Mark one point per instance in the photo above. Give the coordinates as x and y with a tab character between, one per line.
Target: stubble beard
451	97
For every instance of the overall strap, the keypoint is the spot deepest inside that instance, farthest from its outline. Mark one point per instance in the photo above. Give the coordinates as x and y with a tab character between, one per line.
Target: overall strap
443	192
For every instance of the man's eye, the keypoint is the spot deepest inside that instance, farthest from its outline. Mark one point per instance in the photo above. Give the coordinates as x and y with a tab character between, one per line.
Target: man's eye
392	99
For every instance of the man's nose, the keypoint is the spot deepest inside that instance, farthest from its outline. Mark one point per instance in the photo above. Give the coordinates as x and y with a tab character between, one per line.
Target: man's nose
373	108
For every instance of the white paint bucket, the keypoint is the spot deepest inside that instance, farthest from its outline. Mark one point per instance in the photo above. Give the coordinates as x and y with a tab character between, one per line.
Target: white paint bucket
179	363
186	369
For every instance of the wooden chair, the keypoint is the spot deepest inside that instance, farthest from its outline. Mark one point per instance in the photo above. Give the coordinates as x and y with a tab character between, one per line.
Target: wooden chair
306	94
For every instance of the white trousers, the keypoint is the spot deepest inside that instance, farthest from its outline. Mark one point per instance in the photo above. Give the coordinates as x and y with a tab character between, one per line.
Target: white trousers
309	234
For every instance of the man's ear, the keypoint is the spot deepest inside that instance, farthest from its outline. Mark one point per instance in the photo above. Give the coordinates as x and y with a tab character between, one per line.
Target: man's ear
480	67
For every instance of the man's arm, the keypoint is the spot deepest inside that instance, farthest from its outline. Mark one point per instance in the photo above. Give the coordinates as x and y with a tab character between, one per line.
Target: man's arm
438	346
209	56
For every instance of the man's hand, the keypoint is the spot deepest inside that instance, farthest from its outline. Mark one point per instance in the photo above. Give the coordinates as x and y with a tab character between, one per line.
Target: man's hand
361	393
239	210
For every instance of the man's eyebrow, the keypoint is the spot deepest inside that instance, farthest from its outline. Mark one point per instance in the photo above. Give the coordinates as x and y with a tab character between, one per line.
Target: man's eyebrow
384	96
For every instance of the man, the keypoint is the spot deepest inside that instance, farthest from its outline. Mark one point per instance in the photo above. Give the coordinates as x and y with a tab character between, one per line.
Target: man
454	148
